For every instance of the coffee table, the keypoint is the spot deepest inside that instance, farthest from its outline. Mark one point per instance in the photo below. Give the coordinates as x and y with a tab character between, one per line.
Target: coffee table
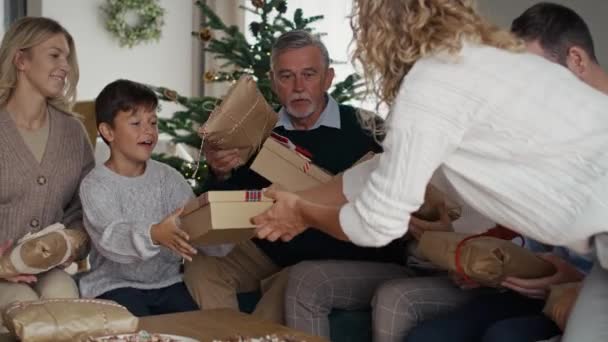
210	325
218	324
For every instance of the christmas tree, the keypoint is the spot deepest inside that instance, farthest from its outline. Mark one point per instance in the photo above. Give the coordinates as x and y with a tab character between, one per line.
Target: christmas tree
239	57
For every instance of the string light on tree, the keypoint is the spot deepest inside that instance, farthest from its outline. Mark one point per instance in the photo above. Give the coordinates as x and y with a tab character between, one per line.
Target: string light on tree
209	76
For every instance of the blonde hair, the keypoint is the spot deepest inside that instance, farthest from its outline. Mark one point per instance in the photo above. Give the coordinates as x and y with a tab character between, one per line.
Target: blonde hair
391	35
24	34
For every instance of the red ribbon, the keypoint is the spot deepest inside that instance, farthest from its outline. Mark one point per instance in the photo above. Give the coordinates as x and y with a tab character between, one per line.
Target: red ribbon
253	195
290	145
499	232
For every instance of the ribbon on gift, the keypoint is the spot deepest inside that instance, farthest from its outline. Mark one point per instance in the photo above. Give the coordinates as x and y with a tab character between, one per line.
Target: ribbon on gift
253	195
283	140
499	232
300	151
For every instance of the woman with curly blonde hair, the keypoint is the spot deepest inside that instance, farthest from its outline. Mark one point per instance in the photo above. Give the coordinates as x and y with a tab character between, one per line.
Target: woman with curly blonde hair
387	49
519	139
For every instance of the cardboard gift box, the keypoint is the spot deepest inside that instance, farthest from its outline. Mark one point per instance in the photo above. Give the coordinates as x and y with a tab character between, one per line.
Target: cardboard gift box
217	217
282	162
485	259
242	121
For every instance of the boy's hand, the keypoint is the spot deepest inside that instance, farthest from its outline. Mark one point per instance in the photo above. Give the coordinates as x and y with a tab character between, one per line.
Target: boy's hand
168	234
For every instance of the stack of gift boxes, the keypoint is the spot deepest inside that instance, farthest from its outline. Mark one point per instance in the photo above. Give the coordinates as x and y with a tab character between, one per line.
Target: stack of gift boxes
244	120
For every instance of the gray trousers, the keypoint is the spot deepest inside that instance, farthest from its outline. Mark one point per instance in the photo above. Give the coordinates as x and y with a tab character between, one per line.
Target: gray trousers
398	300
588	321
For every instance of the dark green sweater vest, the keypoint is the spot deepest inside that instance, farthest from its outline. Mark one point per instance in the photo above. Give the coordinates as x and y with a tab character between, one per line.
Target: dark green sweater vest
334	150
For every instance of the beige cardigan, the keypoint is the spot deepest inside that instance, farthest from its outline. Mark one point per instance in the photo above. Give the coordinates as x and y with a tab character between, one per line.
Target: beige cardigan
34	195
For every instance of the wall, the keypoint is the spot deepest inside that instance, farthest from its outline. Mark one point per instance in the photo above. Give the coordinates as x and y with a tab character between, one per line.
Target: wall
2	28
168	62
593	12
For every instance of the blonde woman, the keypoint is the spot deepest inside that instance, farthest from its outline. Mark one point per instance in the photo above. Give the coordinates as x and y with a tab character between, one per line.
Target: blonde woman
44	150
521	140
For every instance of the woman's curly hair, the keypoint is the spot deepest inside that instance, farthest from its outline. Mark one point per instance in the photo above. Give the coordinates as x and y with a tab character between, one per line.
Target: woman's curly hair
391	35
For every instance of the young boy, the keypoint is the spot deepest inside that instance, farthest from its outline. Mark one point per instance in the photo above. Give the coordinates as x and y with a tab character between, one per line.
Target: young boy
131	206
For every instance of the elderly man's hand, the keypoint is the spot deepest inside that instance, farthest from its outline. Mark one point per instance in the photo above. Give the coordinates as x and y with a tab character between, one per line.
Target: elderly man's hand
417	227
221	162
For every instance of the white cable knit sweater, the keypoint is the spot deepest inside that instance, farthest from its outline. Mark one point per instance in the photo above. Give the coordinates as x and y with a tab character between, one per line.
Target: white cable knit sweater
519	138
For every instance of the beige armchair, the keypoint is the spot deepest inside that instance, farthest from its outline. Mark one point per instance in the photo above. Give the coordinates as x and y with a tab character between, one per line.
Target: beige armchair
86	109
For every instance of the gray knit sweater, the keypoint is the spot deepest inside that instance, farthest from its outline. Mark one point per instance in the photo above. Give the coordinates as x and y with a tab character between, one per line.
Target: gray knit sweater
118	214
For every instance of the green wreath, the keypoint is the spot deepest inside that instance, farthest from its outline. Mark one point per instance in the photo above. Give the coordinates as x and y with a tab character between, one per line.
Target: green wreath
151	20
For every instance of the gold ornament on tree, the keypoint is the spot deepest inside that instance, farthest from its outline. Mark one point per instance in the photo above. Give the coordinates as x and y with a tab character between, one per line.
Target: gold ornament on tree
209	76
171	95
205	34
258	3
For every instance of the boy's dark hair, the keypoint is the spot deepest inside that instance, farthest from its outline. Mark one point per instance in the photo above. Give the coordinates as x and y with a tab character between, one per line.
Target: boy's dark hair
557	28
125	96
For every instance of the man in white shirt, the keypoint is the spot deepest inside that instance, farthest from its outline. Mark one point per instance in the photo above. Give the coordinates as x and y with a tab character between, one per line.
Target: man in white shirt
559	34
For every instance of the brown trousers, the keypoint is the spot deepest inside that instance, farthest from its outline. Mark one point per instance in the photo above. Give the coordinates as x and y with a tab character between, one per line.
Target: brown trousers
214	282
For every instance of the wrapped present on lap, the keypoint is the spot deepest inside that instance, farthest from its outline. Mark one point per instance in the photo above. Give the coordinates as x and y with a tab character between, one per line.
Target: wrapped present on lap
217	217
487	260
41	251
67	320
284	163
243	120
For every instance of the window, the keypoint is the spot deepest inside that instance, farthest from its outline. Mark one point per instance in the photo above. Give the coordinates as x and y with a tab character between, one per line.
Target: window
13	10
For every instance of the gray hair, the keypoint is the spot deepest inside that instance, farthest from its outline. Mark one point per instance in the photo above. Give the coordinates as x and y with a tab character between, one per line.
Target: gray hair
298	39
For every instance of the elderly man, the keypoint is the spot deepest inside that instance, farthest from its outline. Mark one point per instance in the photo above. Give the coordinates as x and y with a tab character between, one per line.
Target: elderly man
310	118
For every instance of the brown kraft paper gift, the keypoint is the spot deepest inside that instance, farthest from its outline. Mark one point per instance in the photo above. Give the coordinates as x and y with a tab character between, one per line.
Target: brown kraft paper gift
243	120
486	260
41	251
67	320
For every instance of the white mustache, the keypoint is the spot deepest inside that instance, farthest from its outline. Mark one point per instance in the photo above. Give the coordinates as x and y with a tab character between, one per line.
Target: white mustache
299	97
